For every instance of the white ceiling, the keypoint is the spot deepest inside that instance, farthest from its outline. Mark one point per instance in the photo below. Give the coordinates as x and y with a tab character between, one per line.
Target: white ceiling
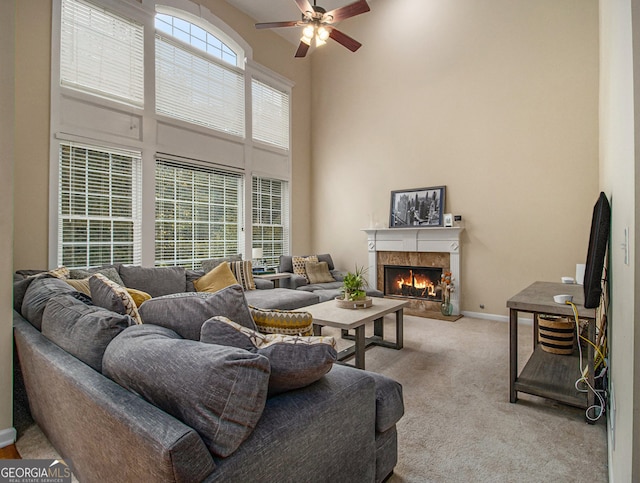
281	10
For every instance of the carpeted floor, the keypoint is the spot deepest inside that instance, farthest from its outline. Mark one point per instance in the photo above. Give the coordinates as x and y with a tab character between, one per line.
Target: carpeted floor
459	425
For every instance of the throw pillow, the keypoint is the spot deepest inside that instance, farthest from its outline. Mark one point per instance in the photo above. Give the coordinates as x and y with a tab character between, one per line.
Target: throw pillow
299	267
243	273
60	272
285	322
186	312
218	391
208	265
295	361
216	279
318	272
38	293
111	296
84	331
138	296
80	284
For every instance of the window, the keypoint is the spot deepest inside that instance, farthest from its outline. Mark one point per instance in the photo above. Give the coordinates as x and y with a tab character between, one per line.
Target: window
99	207
198	214
270	115
195	36
270	218
192	85
140	76
101	53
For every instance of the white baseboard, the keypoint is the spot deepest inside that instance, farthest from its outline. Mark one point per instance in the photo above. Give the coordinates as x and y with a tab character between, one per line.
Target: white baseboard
7	437
498	318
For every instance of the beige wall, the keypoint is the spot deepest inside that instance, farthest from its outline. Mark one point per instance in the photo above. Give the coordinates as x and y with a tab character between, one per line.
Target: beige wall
33	51
619	155
496	100
7	24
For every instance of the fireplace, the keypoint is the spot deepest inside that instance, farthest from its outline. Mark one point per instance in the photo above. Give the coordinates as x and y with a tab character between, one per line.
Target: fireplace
431	248
413	282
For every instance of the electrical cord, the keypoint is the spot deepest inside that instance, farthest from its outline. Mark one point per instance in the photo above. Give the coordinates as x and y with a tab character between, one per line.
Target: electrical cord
598	409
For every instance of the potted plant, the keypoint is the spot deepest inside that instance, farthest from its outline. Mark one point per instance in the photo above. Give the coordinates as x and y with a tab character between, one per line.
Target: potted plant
354	284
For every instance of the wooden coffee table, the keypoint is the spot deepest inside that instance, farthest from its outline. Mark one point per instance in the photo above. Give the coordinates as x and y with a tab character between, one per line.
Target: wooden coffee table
330	315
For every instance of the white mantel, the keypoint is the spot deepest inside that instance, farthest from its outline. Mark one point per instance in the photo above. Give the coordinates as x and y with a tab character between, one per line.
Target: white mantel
443	240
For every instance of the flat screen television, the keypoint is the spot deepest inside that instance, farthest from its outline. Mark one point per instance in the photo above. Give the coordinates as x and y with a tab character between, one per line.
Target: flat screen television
598	239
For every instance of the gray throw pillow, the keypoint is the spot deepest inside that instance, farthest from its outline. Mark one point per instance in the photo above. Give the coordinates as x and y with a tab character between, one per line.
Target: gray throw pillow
208	265
38	294
295	361
218	391
156	281
84	331
186	312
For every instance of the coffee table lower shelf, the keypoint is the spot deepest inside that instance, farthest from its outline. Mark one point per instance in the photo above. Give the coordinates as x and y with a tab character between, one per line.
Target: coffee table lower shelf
552	376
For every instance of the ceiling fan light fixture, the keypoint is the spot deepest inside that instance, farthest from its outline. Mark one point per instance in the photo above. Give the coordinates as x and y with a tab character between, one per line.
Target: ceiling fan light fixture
322	34
309	31
319	41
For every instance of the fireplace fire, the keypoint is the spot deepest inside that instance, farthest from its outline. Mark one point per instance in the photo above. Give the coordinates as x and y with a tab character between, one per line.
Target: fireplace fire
413	282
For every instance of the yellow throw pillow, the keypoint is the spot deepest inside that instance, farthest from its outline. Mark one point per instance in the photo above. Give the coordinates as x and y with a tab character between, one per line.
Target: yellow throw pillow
284	322
216	279
299	267
138	296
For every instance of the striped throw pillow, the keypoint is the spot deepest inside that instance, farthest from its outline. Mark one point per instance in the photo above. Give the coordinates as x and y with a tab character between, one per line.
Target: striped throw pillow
243	273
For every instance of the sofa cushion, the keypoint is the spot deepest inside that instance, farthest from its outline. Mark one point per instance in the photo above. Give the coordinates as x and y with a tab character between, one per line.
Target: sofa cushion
389	401
111	296
285	322
280	298
108	271
210	264
186	312
243	273
192	276
156	281
84	331
295	361
218	391
318	272
215	279
41	289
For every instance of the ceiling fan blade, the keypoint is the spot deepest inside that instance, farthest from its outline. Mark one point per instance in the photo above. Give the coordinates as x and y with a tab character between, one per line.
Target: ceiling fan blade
302	50
304	6
272	25
347	11
344	40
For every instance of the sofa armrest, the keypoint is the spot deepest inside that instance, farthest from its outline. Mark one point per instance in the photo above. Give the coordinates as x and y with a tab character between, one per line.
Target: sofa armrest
326	428
338	275
294	281
262	284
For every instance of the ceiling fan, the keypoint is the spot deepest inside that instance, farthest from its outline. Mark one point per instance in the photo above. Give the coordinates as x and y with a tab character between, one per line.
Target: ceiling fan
318	24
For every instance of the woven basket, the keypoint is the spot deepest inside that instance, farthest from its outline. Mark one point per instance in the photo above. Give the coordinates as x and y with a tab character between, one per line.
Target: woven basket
556	334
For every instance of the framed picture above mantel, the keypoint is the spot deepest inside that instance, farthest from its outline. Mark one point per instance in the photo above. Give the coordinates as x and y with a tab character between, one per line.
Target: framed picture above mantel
417	207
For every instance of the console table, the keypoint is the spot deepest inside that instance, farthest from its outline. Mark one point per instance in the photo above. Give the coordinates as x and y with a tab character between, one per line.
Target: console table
549	375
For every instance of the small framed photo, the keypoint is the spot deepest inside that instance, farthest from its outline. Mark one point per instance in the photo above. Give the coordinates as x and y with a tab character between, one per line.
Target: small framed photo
448	220
418	207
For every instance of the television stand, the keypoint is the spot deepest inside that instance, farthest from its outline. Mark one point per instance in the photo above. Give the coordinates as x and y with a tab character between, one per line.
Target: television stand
549	375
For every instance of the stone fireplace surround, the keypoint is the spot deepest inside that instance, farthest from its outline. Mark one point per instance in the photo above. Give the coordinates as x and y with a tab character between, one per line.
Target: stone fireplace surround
426	247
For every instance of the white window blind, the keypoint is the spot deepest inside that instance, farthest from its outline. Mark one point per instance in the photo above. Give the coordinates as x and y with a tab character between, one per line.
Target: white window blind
197	89
99	207
101	53
198	214
270	219
270	114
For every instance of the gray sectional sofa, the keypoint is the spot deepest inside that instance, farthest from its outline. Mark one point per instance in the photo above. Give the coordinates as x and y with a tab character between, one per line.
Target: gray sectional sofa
340	428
